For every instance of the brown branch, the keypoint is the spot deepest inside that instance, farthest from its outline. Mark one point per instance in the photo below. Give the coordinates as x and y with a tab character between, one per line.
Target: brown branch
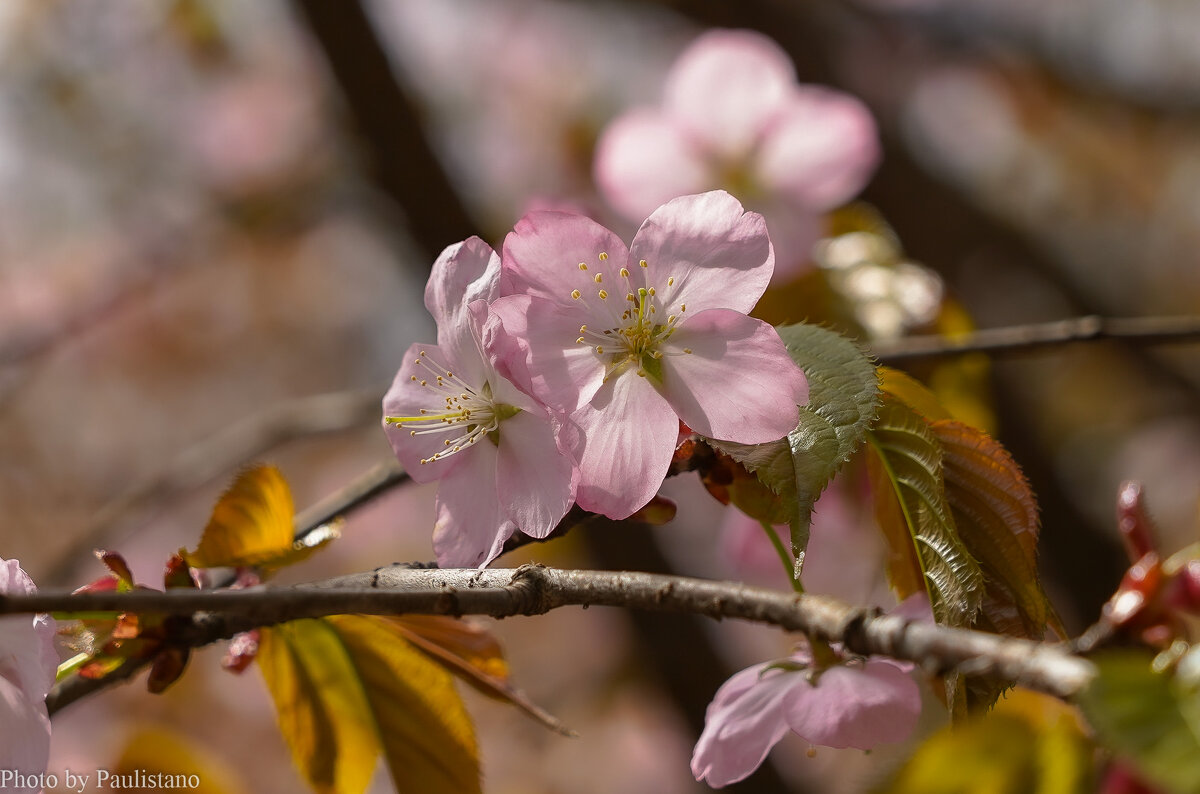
1018	339
404	163
534	590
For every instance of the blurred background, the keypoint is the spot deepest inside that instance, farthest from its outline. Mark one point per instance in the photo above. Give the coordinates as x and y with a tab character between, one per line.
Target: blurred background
217	217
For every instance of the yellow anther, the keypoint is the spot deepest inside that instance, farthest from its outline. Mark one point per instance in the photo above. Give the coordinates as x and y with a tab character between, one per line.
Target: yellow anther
599	277
424	383
603	294
670	319
683	307
413	378
671	281
583	328
624	273
687	350
579	341
599	350
629	296
642	263
583	265
651	291
603	256
575	294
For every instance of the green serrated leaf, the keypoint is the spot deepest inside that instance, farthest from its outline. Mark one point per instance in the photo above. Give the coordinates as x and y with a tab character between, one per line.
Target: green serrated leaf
909	466
1151	718
843	394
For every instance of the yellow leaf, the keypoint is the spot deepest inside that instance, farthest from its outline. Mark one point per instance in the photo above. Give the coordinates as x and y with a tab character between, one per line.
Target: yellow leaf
999	754
321	704
912	393
160	751
253	525
348	687
427	737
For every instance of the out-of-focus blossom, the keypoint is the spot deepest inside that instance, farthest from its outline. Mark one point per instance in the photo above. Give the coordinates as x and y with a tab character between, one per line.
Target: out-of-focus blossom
630	341
450	416
733	116
28	664
852	702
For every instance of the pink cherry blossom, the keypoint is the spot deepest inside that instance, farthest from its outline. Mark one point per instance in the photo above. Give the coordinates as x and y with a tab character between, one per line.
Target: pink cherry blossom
500	456
854	703
630	341
28	664
733	116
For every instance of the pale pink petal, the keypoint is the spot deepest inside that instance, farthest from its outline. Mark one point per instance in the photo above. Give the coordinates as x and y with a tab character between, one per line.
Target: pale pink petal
644	159
737	383
538	351
406	398
536	481
718	255
726	86
24	734
629	435
27	655
471	525
820	151
542	254
28	663
743	722
465	272
855	707
794	231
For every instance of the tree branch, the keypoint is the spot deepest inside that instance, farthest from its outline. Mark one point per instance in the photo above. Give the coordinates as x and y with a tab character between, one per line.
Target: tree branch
534	590
1019	339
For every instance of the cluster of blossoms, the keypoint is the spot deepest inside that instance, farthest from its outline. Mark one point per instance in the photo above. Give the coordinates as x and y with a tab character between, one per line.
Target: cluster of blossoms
733	116
563	368
28	663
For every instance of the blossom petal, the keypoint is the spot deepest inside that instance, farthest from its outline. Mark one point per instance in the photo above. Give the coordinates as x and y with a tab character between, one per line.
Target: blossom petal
27	655
856	707
465	272
538	352
644	159
24	734
726	86
738	383
629	434
542	254
535	481
820	151
717	254
406	398
743	722
471	525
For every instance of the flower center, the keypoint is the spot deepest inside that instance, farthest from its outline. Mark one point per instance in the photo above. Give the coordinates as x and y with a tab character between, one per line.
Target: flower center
635	335
470	413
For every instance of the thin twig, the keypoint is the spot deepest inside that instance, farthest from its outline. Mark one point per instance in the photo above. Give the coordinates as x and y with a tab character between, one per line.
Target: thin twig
534	590
1017	339
222	452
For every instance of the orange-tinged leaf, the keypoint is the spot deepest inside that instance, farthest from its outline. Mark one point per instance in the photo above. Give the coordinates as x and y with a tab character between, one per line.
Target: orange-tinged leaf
427	737
321	705
473	654
349	687
253	525
997	517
